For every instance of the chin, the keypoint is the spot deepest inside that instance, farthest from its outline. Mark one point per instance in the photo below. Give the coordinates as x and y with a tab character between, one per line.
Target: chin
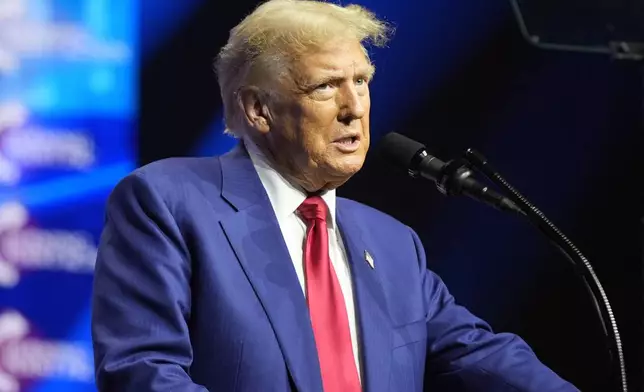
349	166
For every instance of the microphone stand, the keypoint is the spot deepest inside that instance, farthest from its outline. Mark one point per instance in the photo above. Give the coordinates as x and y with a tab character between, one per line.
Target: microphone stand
618	49
572	253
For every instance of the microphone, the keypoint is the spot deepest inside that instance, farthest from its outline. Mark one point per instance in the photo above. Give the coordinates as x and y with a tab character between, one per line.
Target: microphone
451	178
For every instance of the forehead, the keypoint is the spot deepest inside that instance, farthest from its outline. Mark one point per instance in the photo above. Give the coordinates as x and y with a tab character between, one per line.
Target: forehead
334	58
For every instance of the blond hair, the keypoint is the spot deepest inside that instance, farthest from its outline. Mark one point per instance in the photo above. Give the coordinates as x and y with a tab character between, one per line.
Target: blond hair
279	31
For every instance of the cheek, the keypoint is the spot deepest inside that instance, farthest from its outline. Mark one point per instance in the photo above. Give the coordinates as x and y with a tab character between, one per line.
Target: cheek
366	104
366	130
319	125
366	143
365	127
325	118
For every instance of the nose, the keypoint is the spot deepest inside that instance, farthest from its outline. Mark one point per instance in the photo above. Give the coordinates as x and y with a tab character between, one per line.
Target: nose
351	105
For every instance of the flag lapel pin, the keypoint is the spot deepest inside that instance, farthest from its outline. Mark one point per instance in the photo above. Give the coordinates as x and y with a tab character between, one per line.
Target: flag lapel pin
369	259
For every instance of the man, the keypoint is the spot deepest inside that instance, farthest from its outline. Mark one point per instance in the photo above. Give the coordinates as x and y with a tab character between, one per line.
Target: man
245	273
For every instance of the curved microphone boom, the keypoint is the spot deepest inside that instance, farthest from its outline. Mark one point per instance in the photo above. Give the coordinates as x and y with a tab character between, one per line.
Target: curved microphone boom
451	178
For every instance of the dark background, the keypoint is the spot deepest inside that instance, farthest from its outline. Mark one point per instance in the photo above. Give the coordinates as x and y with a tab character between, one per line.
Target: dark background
565	129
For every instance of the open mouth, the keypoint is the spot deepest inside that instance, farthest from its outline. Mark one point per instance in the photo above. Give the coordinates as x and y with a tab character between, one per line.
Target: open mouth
347	140
348	144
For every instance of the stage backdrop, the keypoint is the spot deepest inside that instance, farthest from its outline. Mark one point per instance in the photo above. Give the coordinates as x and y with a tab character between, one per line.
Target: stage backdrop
565	129
68	104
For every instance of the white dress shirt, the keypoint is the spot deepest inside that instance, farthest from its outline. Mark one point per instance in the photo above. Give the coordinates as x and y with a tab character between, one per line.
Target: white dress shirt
285	199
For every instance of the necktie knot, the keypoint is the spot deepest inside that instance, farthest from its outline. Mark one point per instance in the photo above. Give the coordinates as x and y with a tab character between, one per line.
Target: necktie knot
313	208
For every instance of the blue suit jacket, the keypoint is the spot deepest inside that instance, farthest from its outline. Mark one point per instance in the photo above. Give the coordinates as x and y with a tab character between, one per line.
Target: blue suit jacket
195	291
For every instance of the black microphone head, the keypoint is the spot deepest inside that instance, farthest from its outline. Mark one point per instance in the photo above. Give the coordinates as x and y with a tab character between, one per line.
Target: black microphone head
399	150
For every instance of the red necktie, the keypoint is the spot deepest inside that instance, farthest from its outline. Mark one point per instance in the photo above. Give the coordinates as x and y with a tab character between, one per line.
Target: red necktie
326	304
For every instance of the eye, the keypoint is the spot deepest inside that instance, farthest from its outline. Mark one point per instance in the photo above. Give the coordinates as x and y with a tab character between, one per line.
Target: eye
361	81
323	86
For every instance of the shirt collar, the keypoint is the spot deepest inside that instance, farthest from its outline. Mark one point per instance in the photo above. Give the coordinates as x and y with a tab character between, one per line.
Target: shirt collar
285	197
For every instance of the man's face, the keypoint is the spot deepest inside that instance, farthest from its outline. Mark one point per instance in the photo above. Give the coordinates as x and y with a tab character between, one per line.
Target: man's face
319	128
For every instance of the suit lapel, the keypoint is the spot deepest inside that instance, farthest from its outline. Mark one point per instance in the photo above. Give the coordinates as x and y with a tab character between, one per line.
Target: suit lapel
255	236
374	321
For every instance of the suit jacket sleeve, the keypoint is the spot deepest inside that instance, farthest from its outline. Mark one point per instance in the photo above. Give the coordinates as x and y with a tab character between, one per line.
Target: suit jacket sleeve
141	299
464	354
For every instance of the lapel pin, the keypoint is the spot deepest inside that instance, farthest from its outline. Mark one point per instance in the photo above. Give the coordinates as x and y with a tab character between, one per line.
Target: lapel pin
367	256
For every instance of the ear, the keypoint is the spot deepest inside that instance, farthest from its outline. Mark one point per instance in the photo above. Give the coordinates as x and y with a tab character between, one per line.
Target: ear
252	103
